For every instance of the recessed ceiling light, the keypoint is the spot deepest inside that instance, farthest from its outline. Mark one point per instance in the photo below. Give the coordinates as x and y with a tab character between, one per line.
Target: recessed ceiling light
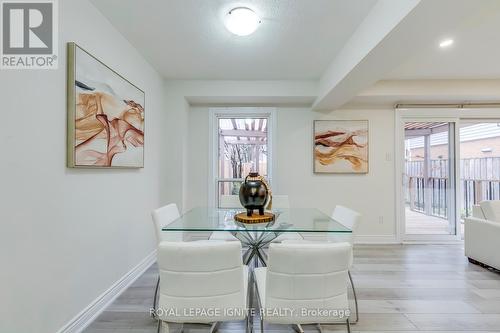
446	43
242	21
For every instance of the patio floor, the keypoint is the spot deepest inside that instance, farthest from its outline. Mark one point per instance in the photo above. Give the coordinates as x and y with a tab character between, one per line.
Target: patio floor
421	224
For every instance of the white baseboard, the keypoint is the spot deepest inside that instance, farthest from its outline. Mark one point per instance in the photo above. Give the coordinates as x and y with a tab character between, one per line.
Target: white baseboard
433	242
358	239
376	239
94	309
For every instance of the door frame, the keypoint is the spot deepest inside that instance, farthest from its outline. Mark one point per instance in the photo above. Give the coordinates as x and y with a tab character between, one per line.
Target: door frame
426	114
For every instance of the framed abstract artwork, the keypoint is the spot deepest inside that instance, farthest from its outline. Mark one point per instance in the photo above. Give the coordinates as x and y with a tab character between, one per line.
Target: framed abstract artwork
105	115
340	146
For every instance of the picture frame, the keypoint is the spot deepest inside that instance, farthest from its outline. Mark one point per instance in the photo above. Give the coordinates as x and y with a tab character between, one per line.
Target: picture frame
340	146
105	115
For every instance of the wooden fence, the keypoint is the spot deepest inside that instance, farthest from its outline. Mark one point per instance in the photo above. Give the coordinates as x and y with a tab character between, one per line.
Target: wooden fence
479	180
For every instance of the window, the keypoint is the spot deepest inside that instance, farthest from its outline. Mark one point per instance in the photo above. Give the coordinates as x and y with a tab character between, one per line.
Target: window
241	144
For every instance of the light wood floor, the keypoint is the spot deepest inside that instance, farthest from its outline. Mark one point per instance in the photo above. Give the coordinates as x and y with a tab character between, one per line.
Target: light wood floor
402	288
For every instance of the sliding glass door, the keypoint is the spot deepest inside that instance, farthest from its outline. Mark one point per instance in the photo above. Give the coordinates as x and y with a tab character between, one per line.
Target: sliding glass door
479	163
447	160
429	189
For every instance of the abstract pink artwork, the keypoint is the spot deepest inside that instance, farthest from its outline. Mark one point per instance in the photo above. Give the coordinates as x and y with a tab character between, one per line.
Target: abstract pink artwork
341	146
105	115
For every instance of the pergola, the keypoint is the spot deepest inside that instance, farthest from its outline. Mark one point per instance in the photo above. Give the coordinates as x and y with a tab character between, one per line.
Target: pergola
241	139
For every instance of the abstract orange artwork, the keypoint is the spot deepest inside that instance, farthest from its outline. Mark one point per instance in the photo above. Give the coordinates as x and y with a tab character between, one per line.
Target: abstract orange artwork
341	146
105	115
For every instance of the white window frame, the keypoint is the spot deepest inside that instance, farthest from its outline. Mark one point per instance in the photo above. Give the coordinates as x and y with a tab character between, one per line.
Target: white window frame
213	142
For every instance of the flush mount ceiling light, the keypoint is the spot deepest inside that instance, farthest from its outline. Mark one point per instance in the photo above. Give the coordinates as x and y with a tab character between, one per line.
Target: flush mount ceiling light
446	43
242	21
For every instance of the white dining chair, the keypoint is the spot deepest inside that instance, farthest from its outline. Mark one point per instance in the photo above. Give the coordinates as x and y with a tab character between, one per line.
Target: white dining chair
162	217
350	219
283	202
229	201
200	282
306	279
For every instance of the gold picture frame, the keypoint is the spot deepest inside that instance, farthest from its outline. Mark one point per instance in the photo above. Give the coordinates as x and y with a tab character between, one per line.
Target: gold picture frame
105	115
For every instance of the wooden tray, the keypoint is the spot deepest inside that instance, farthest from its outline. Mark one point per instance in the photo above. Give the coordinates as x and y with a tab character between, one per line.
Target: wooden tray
255	218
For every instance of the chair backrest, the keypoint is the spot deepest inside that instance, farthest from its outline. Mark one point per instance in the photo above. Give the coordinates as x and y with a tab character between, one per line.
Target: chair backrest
348	218
229	201
280	201
477	212
201	275
162	217
307	275
491	210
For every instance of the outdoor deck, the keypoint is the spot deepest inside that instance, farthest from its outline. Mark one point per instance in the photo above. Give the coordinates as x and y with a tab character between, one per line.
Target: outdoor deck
419	223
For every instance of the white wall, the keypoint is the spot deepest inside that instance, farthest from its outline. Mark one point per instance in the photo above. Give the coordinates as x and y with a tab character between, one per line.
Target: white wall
183	129
372	194
68	234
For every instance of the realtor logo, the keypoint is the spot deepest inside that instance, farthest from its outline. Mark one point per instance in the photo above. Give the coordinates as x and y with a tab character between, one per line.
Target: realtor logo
29	34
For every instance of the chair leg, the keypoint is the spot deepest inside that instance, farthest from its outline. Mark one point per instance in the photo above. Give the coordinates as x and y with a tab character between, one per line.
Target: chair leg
215	327
164	327
248	328
156	295
348	323
298	328
251	290
355	297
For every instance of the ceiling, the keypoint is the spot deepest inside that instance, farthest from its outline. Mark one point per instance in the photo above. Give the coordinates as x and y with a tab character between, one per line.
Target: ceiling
186	39
474	55
352	49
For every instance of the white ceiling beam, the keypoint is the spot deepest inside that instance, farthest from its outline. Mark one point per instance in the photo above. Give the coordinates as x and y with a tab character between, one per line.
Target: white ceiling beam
338	84
391	92
242	93
392	32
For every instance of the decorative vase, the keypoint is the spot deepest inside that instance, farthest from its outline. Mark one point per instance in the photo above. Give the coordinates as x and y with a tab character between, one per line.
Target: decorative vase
254	193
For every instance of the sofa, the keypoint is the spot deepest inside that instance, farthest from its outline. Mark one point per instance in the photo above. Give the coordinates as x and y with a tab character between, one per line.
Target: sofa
482	234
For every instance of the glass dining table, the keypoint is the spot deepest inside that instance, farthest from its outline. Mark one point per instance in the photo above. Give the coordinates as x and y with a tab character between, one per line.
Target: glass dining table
254	237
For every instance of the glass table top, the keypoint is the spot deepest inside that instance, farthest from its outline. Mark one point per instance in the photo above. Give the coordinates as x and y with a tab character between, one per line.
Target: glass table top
287	220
